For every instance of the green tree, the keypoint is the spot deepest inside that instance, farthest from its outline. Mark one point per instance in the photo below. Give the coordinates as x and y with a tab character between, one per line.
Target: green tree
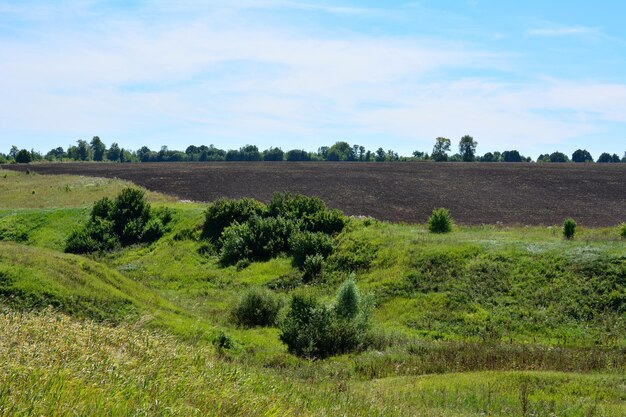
273	154
581	155
511	156
341	151
98	148
467	148
23	157
114	152
558	157
441	149
82	150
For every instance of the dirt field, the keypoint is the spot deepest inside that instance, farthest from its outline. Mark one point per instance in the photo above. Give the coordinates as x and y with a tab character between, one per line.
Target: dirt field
475	193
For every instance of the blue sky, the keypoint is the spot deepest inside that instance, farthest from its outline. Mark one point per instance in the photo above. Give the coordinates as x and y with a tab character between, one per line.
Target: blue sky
534	76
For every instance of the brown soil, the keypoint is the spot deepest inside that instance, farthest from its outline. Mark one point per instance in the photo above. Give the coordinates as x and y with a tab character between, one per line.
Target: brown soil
475	193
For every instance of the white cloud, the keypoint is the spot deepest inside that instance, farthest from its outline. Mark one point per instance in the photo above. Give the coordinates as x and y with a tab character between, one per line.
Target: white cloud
565	31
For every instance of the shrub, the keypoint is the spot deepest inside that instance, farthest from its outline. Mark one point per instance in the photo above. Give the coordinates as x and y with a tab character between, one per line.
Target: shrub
312	267
303	244
569	228
224	212
621	229
440	221
129	213
326	221
126	220
153	230
294	206
313	329
257	307
257	239
96	236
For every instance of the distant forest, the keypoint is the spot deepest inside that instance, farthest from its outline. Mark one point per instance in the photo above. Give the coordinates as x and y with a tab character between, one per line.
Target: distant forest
96	150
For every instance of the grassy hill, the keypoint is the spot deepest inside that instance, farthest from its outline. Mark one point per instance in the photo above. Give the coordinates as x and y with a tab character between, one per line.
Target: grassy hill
499	312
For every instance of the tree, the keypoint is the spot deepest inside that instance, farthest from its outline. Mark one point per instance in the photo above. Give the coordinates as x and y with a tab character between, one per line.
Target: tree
298	155
488	157
380	155
23	157
467	148
511	156
441	149
615	158
604	158
13	152
82	150
558	157
114	152
273	154
341	151
581	155
98	149
56	154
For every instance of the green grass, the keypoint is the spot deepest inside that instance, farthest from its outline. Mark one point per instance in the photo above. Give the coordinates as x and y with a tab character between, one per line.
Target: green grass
55	365
495	310
35	278
28	191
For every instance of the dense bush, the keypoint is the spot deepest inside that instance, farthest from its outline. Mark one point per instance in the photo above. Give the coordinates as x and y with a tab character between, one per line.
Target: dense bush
312	329
257	307
294	206
621	229
257	239
312	267
303	244
125	221
325	221
569	228
224	212
440	221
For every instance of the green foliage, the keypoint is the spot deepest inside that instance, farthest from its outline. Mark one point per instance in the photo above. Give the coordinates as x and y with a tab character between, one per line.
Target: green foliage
224	212
294	206
440	221
303	244
257	239
125	221
257	307
621	229
23	157
569	228
312	267
312	329
324	221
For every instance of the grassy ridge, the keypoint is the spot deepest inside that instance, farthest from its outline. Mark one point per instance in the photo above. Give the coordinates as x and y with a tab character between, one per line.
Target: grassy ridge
34	278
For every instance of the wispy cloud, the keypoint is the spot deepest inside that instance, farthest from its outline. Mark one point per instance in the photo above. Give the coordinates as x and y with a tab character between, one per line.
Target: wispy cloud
565	31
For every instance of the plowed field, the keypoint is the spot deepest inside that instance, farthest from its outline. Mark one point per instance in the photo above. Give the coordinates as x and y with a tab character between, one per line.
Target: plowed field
475	193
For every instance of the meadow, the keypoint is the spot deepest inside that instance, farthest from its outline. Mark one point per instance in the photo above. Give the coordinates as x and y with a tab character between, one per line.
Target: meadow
486	320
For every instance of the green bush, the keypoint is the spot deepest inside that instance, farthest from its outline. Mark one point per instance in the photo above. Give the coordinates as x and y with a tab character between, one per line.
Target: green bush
257	307
96	236
224	212
621	229
312	267
326	221
569	228
440	221
124	221
257	239
312	329
294	206
303	244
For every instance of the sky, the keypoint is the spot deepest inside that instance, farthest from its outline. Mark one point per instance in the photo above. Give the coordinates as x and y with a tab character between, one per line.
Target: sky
535	76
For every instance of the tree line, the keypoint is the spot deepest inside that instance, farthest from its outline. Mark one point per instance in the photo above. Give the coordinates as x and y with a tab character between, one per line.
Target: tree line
96	150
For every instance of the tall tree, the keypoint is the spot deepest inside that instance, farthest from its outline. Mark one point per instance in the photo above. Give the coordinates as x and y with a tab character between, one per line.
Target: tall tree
98	148
82	151
114	152
441	149
467	148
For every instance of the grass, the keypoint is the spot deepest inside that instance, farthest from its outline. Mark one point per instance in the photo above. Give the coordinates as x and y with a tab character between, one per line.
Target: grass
33	191
55	365
475	322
